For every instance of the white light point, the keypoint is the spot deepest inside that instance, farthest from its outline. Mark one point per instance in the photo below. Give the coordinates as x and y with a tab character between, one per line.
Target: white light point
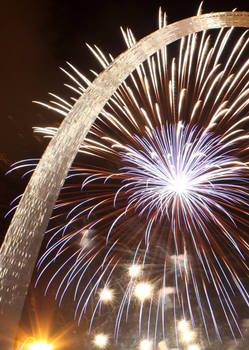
40	345
106	295
145	345
101	340
183	326
143	291
134	270
193	347
188	336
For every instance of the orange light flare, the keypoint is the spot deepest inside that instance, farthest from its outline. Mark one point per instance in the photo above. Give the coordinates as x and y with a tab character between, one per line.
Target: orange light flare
31	343
39	330
41	345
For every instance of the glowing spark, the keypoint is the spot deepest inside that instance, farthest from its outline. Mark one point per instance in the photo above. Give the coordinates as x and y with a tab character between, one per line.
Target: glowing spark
134	270
183	326
145	344
106	295
188	336
143	291
101	340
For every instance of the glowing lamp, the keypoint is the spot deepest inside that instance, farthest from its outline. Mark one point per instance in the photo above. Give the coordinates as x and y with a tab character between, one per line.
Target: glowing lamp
193	347
106	295
143	291
40	345
188	336
134	270
101	340
183	326
145	345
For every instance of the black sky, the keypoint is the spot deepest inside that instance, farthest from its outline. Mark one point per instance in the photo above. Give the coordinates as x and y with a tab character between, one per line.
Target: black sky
39	36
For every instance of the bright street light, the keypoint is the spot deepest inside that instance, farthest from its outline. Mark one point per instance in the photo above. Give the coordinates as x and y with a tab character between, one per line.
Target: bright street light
40	345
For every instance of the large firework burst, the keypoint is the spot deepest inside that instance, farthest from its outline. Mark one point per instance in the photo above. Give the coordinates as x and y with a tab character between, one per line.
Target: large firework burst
159	214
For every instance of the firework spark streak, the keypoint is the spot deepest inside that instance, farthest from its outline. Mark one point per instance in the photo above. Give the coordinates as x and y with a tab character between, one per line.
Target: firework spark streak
165	191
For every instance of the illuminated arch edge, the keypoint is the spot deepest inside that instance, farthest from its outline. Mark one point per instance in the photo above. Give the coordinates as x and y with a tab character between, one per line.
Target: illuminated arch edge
19	251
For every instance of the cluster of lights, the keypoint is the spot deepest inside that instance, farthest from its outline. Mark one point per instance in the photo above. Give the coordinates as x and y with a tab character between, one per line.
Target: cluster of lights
144	291
101	341
187	335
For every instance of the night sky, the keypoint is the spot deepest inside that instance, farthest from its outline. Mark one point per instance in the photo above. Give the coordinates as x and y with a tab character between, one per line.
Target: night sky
39	36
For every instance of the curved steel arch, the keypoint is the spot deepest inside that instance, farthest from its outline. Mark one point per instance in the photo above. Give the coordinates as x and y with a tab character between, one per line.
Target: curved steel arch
23	240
